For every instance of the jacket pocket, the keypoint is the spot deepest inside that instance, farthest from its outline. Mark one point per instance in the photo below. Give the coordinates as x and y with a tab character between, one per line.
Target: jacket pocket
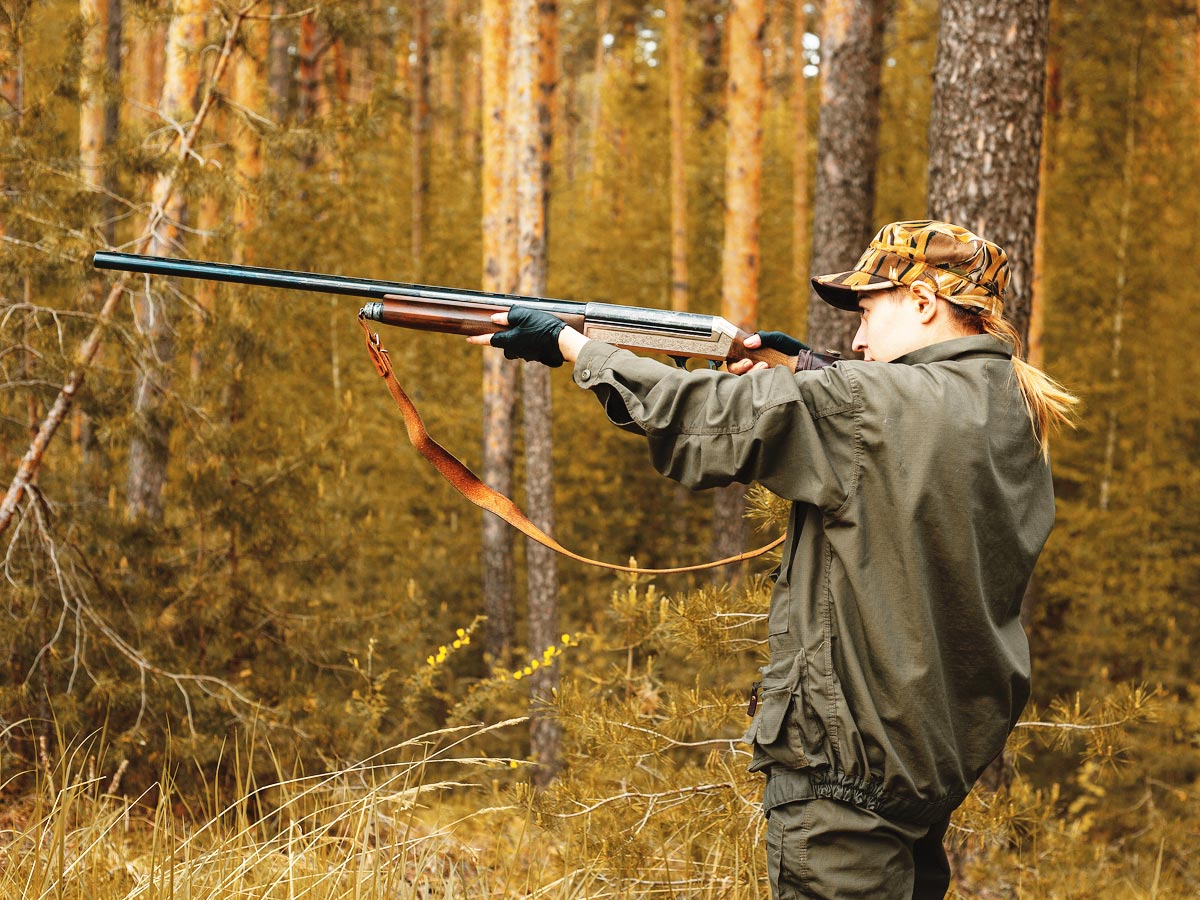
786	729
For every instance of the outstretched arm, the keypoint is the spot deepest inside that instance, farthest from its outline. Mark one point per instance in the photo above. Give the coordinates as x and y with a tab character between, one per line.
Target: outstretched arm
536	343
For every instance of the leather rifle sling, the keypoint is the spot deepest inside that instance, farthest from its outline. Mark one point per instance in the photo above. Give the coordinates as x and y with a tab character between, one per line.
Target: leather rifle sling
470	486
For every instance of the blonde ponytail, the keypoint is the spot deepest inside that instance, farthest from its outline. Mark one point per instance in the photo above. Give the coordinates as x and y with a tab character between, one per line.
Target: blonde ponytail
1049	404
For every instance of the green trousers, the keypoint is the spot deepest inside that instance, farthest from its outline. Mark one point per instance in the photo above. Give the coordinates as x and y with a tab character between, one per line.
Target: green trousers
829	850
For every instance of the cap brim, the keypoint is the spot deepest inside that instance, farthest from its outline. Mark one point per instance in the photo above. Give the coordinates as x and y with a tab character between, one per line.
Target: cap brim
843	290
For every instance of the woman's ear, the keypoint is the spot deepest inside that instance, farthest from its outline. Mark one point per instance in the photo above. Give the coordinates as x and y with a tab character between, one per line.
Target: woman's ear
926	300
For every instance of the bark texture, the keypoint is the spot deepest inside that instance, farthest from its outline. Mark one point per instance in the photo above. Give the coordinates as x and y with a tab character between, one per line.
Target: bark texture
985	129
31	462
526	48
499	375
847	147
547	89
740	257
93	101
148	448
1035	349
249	94
419	130
800	210
599	77
145	68
679	226
280	67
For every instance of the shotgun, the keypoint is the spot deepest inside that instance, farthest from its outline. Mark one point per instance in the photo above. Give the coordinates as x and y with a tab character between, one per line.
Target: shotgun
679	335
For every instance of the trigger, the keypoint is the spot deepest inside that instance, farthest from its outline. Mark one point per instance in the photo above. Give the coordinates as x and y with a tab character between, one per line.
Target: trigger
680	361
715	363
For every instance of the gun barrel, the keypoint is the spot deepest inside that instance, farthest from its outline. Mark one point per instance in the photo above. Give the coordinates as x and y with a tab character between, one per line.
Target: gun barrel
450	309
324	284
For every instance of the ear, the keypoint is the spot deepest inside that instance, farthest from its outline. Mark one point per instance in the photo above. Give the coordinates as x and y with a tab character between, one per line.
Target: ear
926	301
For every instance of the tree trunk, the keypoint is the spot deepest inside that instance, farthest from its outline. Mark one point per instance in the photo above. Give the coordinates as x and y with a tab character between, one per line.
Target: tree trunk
847	141
31	462
280	67
93	106
145	69
449	99
678	128
249	93
526	47
710	62
209	216
98	107
547	85
149	446
499	374
1037	301
985	129
570	118
469	112
1120	288
740	257
310	69
419	129
599	77
800	210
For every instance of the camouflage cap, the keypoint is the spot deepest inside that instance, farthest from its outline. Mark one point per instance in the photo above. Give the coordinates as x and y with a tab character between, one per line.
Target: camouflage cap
959	265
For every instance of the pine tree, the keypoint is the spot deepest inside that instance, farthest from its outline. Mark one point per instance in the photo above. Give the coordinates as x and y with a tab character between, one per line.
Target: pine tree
525	49
499	375
985	129
844	190
148	449
740	257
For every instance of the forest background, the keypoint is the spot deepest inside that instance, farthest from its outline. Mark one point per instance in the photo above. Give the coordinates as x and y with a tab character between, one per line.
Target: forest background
243	647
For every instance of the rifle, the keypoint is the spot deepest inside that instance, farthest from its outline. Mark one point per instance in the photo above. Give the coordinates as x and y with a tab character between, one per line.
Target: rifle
679	335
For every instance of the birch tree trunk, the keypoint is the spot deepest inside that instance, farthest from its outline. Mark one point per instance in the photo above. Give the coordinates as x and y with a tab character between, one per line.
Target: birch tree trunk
847	146
985	129
678	127
740	257
499	374
1120	288
148	449
526	46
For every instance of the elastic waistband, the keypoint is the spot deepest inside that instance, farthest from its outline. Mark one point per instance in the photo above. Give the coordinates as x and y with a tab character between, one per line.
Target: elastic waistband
789	785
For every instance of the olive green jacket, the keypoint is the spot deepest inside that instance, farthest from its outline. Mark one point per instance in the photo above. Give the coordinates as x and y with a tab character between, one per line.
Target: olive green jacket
921	500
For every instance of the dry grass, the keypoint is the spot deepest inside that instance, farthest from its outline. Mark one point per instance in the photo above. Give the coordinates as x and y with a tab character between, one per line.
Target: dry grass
392	826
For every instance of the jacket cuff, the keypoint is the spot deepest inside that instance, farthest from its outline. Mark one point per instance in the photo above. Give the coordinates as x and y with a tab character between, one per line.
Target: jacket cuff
591	362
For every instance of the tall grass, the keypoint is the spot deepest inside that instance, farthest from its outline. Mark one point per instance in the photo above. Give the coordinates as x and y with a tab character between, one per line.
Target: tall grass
392	826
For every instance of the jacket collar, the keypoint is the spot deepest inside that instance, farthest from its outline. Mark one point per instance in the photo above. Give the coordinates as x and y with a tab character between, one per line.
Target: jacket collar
975	345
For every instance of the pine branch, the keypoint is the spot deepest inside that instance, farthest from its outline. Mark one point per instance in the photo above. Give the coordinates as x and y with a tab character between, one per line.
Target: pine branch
164	190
